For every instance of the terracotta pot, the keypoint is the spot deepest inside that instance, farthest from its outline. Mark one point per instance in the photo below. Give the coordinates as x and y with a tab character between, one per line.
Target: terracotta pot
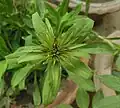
99	8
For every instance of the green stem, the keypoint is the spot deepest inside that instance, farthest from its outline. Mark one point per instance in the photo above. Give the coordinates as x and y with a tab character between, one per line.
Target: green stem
87	7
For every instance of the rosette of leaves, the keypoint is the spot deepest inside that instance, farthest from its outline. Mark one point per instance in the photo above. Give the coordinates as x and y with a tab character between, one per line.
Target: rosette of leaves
62	38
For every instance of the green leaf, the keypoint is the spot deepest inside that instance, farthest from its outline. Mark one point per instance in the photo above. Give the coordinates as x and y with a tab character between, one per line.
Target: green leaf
2	87
76	10
10	92
54	17
28	21
98	96
51	83
49	27
116	73
3	102
40	6
53	14
86	84
3	48
41	30
87	6
118	63
79	69
82	98
97	48
29	57
64	106
79	53
110	81
63	8
22	84
28	40
26	49
78	31
108	102
39	26
3	67
20	74
36	93
13	63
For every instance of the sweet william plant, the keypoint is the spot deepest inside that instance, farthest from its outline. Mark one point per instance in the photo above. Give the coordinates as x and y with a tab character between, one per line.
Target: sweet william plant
62	37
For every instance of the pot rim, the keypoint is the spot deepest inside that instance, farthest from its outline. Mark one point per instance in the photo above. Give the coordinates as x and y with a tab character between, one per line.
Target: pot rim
98	8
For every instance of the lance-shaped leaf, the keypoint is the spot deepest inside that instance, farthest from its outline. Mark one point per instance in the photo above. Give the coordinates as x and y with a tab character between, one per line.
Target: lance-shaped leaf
86	84
20	74
36	93
41	30
63	7
78	68
3	67
2	87
78	31
108	102
40	6
97	48
82	98
3	48
30	57
110	81
98	96
51	83
22	84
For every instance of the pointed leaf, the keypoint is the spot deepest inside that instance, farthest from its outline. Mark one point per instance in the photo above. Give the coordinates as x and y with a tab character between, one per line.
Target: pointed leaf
77	10
3	48
78	53
36	93
49	27
3	67
39	26
22	84
20	74
41	30
2	87
28	40
29	57
110	81
98	96
63	8
79	69
13	63
28	21
82	98
54	17
51	83
108	102
86	84
97	48
40	6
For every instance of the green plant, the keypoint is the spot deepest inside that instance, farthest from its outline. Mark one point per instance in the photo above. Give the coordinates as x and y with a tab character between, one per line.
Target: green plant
14	26
60	39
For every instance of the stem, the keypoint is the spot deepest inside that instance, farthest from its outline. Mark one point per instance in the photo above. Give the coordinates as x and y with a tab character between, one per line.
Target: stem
106	41
87	7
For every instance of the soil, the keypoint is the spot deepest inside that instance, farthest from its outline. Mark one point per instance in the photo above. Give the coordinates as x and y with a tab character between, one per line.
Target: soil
99	1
